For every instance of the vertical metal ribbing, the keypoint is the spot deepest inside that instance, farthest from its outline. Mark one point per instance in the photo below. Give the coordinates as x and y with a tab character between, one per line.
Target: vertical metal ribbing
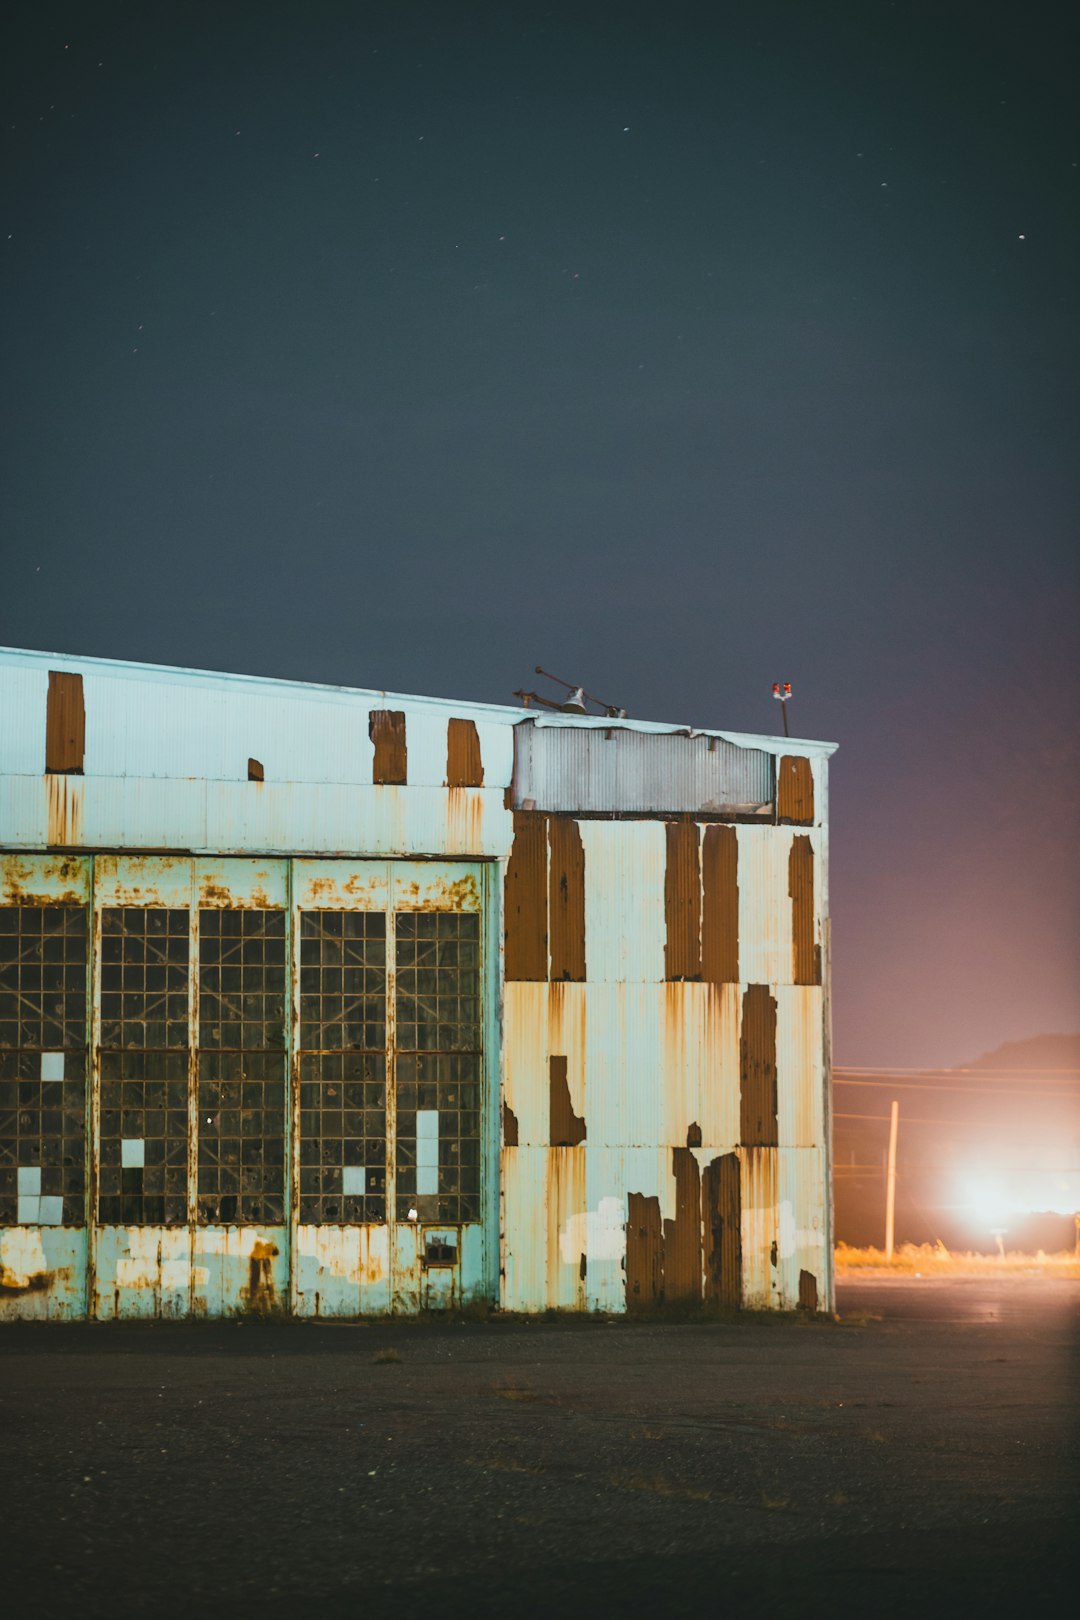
391	1089
193	1083
93	1091
292	1091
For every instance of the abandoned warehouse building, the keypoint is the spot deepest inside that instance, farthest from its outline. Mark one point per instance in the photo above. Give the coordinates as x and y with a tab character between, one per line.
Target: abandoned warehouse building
338	1003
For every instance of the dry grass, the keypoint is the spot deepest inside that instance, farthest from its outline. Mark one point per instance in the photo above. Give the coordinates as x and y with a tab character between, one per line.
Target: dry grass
656	1485
386	1357
935	1260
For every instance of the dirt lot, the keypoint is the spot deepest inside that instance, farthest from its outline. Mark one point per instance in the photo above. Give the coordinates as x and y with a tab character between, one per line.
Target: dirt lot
919	1457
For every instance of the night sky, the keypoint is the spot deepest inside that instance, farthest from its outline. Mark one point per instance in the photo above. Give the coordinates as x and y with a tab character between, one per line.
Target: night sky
678	348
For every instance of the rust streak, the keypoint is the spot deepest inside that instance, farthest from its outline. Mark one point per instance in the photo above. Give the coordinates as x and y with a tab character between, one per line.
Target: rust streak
567	1129
721	1209
682	902
260	1295
757	1068
63	806
795	790
386	728
806	957
463	764
566	900
525	896
720	909
510	1126
65	724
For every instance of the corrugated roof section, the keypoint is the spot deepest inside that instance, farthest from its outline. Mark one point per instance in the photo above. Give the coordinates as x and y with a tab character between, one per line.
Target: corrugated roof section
591	770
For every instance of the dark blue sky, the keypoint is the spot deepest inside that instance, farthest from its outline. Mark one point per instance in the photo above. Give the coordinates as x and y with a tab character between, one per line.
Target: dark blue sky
681	349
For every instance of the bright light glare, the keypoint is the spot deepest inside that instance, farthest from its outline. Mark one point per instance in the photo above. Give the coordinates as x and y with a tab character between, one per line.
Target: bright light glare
996	1202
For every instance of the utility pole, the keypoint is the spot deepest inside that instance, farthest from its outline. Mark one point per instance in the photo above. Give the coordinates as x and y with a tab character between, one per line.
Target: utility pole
890	1183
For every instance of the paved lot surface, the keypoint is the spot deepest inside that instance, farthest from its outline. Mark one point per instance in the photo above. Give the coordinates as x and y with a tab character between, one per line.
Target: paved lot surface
917	1458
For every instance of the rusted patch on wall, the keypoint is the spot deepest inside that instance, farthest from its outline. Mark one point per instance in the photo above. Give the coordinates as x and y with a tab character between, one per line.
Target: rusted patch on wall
682	1236
463	764
255	770
63	807
721	1210
644	1253
795	790
805	955
682	902
525	899
720	907
260	1295
65	724
567	1129
693	1134
757	1069
386	728
566	887
510	1126
807	1291
14	1287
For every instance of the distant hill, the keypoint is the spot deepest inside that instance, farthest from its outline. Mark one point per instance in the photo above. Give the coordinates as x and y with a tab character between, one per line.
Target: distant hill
1037	1052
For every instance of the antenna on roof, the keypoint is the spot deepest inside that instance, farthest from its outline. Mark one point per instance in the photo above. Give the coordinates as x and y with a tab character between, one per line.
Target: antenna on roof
577	699
781	690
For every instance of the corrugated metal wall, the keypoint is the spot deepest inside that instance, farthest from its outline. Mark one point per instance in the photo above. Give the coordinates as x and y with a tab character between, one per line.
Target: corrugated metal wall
657	1018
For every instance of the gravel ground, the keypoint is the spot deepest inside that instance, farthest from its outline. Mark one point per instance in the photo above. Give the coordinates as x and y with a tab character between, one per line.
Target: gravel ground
920	1455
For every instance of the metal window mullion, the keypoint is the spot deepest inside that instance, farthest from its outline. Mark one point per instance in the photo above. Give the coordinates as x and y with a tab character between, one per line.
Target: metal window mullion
292	1082
390	992
193	1081
92	1159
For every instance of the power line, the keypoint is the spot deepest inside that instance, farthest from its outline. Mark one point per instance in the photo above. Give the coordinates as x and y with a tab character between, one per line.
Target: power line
965	1091
885	1068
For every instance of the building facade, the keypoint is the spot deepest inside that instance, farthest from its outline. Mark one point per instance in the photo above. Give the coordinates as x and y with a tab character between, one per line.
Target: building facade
336	1002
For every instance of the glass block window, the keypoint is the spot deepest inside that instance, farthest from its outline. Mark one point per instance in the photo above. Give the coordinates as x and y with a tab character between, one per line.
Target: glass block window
144	1066
438	1068
342	1064
42	1065
242	1092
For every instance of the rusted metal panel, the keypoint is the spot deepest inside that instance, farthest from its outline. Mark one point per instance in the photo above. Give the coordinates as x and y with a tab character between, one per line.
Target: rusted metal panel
682	1234
795	790
256	770
239	1270
757	1068
805	951
42	1273
808	1292
589	769
65	725
386	728
525	900
342	1271
56	880
720	905
699	1061
644	1253
682	901
566	905
721	1210
566	1128
464	767
524	1180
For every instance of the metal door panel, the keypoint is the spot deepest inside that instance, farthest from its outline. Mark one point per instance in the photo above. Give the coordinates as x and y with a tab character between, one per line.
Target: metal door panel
142	1271
42	1273
342	1271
